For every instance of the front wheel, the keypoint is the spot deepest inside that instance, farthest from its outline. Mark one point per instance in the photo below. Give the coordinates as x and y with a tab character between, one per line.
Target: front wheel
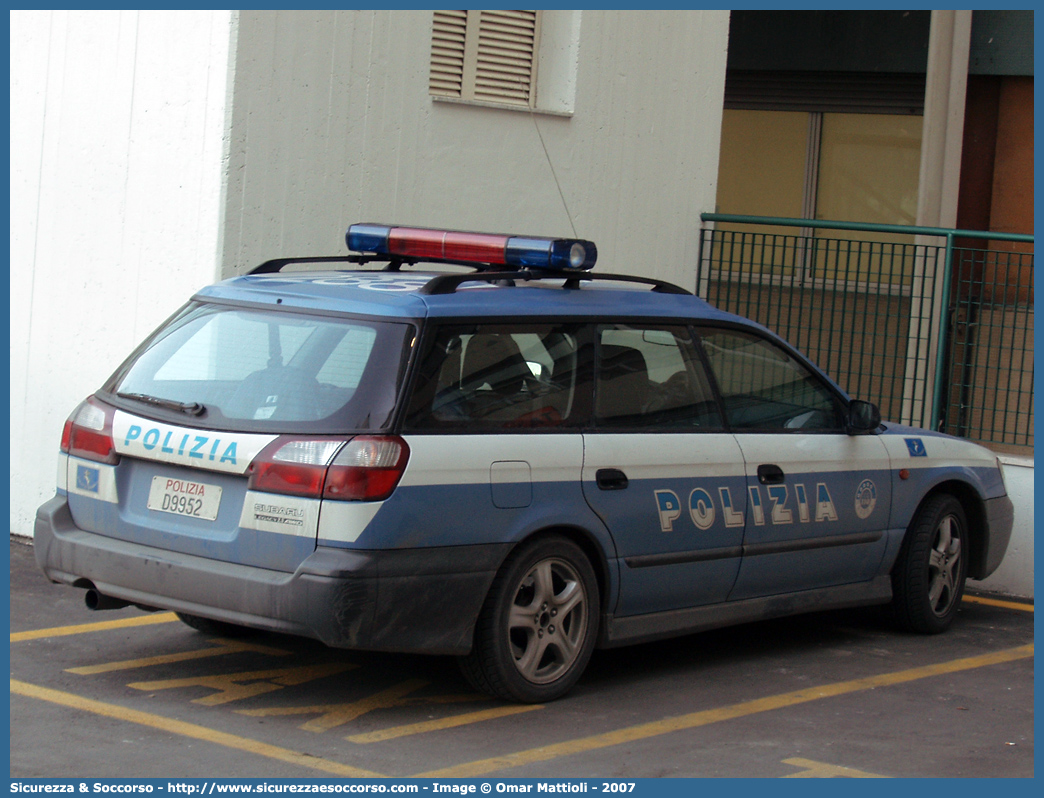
537	628
928	578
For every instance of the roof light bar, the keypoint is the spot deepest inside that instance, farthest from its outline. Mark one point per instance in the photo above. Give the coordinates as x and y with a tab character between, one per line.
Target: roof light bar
557	254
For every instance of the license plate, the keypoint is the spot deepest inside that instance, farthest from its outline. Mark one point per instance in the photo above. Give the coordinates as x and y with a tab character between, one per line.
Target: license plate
183	497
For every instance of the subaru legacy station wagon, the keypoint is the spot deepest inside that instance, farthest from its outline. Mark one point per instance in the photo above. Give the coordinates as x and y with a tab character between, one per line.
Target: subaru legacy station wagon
510	464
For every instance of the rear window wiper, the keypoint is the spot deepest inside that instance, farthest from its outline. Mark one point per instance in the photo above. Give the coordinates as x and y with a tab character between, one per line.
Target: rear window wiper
192	408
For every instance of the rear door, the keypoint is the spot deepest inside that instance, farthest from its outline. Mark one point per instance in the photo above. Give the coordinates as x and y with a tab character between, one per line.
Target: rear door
493	426
661	471
818	499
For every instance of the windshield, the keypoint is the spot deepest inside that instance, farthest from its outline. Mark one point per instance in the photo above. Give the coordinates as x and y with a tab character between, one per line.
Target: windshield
255	369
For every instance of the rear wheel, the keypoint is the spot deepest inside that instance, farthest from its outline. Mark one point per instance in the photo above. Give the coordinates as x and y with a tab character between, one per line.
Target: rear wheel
928	578
537	628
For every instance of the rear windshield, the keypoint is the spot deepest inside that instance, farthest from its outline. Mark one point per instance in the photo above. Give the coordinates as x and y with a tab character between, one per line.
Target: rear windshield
242	368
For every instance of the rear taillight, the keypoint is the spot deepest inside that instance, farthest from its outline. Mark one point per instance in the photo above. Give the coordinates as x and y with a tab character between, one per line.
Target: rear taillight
294	466
88	432
365	468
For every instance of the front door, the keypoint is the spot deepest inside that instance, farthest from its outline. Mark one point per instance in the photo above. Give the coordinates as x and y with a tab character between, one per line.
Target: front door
818	499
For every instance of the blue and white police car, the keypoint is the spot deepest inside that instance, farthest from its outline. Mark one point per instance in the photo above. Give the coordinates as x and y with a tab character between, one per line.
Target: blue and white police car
511	464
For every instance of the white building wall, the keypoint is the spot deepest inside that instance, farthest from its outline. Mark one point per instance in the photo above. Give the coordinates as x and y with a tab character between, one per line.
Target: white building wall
117	142
333	124
1014	577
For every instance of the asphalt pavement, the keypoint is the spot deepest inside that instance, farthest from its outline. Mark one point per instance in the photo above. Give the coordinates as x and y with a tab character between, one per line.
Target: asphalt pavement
130	694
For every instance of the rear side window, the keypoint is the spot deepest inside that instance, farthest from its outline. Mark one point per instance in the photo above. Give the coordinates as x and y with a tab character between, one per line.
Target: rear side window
255	369
503	377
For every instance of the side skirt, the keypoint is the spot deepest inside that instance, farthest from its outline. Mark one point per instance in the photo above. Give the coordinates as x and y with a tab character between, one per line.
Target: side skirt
659	625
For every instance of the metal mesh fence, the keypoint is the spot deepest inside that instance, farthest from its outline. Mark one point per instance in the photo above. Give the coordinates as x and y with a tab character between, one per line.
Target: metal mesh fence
876	310
990	361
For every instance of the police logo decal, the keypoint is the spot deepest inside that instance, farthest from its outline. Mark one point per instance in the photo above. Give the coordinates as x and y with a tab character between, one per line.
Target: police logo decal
865	499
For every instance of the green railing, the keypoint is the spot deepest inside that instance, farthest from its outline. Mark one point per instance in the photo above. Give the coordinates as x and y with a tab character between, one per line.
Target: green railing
934	325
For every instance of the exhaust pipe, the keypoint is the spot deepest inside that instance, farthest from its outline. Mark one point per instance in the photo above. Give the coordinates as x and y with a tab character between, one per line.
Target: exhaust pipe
99	601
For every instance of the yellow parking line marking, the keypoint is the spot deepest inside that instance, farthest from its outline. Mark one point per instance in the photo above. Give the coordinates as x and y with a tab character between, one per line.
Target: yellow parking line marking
333	715
222	648
706	717
190	730
238	686
438	725
101	626
821	770
1008	605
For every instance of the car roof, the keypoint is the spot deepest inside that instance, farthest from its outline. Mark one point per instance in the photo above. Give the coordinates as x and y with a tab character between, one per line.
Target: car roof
400	295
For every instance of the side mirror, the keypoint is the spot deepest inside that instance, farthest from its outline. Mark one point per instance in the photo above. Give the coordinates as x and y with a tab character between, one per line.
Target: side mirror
863	417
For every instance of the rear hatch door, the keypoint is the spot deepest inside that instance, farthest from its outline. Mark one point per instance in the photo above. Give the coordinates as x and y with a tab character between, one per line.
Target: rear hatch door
203	397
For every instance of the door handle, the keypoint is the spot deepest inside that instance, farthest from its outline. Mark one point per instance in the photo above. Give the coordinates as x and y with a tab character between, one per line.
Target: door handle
610	479
769	474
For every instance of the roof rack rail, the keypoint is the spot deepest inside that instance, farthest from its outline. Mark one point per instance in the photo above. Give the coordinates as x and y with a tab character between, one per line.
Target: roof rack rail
393	263
276	264
448	283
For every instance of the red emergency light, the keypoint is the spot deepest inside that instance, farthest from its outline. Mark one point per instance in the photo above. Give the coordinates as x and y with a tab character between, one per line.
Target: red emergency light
478	249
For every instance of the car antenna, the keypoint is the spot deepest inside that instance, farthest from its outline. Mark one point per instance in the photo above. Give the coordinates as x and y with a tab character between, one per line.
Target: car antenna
558	185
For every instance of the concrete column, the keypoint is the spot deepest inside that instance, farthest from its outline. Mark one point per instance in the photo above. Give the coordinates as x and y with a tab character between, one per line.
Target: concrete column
949	43
948	46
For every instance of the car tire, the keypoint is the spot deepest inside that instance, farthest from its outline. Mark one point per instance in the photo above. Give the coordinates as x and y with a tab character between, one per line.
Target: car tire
929	574
538	626
211	627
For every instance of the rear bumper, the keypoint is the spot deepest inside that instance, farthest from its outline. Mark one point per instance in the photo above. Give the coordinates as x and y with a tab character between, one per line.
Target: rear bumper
410	600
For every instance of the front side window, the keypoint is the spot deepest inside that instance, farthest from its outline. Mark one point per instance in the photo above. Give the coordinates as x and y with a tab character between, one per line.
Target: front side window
255	369
764	388
497	376
651	378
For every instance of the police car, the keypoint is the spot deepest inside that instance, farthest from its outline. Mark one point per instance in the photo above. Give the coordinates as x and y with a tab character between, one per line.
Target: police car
511	464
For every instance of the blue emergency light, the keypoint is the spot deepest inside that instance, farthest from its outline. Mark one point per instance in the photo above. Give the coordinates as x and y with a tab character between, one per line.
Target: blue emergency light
480	249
